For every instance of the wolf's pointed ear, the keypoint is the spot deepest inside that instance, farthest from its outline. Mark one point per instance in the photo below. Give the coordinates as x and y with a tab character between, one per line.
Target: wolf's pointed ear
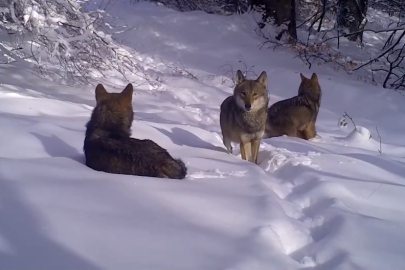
262	79
126	94
302	77
101	93
314	77
239	77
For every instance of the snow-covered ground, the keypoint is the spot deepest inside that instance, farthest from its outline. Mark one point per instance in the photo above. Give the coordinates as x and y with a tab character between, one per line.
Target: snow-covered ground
334	202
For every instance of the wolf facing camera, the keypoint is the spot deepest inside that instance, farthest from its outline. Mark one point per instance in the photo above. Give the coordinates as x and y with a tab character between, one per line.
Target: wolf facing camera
243	115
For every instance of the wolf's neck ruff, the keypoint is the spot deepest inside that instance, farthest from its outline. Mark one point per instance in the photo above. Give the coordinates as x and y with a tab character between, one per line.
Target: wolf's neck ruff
108	145
251	121
119	128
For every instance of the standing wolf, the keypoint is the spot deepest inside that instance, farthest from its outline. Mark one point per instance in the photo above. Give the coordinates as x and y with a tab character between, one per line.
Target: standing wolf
296	116
108	146
243	115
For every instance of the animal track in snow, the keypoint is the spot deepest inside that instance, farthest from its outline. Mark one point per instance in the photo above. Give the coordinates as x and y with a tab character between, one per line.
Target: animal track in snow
304	227
280	157
292	236
216	174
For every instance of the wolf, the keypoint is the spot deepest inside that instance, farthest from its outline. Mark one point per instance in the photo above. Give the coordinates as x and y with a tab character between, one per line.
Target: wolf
296	116
243	115
108	145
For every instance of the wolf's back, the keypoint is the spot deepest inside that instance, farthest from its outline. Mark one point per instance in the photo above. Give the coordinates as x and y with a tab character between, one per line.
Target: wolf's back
132	156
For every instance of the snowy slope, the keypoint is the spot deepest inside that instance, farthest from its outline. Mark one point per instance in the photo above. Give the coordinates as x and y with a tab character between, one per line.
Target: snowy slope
331	203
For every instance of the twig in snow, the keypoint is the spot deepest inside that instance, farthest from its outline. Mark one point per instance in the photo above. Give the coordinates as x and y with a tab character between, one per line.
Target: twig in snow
181	71
351	119
230	71
375	190
379	137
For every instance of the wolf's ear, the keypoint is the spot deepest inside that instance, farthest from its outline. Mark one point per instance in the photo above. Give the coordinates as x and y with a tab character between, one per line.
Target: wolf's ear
314	77
101	93
239	77
302	77
262	79
126	94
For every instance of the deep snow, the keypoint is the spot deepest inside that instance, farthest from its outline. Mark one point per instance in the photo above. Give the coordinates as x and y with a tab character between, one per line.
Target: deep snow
331	203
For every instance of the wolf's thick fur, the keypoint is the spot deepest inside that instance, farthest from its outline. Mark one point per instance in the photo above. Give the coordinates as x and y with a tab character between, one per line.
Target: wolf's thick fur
108	146
243	115
296	116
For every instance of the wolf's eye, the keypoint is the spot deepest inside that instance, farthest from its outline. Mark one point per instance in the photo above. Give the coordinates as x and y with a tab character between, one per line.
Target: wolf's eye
254	94
243	93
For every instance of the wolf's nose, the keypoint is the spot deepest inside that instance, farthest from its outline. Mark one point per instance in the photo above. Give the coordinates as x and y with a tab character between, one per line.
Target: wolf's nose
248	107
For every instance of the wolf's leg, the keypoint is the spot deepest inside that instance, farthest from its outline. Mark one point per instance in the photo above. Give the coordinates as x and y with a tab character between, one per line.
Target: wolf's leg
244	151
300	134
255	150
286	128
228	145
310	131
290	130
249	151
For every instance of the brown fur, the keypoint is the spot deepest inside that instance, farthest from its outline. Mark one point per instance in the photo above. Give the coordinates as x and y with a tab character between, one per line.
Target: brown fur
296	116
108	145
243	115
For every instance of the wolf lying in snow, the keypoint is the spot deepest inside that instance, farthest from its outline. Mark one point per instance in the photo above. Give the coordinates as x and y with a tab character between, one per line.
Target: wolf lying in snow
108	146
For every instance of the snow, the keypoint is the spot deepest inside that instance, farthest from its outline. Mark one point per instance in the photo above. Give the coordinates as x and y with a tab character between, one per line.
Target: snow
334	202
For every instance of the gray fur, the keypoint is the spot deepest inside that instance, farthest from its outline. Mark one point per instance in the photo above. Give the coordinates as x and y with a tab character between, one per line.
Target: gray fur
243	126
296	116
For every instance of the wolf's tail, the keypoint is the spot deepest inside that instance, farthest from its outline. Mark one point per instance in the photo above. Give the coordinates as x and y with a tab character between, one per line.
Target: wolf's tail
176	169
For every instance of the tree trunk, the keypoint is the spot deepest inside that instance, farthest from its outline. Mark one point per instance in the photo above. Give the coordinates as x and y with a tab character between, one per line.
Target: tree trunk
322	15
279	10
352	17
292	25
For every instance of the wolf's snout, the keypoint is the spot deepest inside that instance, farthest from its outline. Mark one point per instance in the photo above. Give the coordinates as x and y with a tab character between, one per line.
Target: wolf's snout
248	107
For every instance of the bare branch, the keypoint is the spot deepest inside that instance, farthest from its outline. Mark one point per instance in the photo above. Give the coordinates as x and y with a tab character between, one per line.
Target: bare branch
351	119
379	137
